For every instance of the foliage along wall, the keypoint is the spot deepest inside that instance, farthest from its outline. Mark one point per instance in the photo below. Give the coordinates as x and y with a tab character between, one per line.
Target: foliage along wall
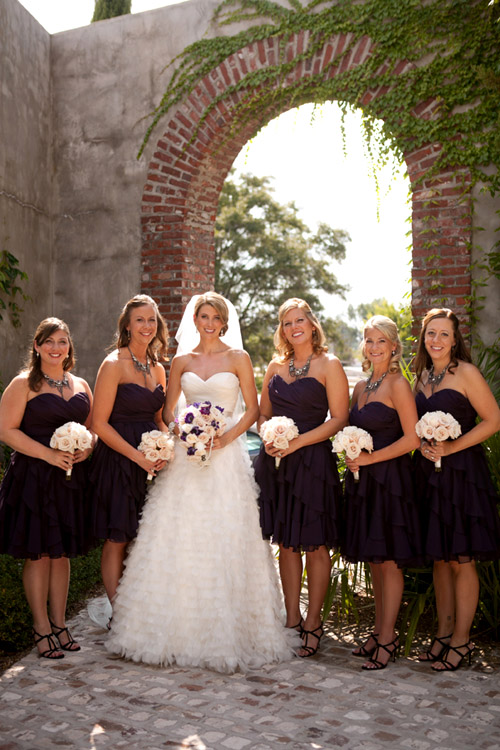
430	71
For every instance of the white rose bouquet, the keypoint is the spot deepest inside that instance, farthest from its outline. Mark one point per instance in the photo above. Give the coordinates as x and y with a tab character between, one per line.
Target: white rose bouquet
351	441
279	431
156	445
438	426
199	424
71	437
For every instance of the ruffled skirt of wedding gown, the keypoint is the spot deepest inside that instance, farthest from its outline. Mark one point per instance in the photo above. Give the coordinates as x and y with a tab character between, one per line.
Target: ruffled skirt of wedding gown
200	586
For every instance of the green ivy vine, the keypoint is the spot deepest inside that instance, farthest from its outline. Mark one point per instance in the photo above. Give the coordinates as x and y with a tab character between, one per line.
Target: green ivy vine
454	46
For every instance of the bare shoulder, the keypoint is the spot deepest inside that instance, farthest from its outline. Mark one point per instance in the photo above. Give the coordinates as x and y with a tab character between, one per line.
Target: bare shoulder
239	356
19	385
331	363
181	362
398	382
81	382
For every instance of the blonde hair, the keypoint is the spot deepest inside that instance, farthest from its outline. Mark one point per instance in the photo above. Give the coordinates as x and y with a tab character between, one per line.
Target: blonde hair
216	301
158	347
389	329
284	349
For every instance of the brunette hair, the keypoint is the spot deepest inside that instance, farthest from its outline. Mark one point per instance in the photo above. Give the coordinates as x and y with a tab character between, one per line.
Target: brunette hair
216	301
390	330
33	364
157	348
284	350
459	350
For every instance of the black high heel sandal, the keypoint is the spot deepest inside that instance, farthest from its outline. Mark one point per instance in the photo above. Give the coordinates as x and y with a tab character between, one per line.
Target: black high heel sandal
447	665
311	650
52	651
429	655
377	664
362	650
68	646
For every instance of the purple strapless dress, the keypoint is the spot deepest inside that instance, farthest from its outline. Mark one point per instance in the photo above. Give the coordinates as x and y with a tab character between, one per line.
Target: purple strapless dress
382	521
41	512
118	485
301	501
459	504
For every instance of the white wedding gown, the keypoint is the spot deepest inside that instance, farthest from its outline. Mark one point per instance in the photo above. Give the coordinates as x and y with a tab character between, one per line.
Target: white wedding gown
200	586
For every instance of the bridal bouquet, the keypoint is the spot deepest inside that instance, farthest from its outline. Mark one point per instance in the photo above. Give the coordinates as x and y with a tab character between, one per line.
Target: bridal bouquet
439	426
71	437
279	431
352	440
199	424
156	446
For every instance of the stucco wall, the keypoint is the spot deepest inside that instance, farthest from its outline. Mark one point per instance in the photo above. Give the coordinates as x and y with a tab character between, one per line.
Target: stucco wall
26	174
106	77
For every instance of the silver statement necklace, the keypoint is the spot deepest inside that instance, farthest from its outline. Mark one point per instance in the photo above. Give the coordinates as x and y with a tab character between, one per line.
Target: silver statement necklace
372	387
58	384
145	369
299	372
435	380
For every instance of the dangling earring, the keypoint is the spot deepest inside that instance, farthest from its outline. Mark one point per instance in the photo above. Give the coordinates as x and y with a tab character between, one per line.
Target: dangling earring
128	334
315	333
393	353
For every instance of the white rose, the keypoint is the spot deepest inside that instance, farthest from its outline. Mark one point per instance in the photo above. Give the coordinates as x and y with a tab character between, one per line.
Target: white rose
191	439
441	433
427	432
352	450
455	430
280	442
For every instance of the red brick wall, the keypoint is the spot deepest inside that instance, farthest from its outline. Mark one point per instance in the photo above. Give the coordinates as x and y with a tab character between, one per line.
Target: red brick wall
181	193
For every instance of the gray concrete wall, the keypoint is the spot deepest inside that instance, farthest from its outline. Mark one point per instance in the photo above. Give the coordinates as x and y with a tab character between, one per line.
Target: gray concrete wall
26	173
106	77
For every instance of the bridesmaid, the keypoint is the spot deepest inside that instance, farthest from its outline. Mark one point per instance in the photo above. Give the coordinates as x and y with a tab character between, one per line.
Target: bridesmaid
382	526
462	522
129	397
43	514
300	503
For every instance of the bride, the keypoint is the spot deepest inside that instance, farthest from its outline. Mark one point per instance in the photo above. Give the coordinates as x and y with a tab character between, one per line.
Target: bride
200	586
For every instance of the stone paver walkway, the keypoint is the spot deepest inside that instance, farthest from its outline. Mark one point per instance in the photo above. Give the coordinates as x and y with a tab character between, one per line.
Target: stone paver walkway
92	700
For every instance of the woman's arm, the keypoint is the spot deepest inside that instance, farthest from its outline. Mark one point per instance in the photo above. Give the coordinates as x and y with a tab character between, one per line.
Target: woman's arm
244	371
12	408
265	407
173	390
83	455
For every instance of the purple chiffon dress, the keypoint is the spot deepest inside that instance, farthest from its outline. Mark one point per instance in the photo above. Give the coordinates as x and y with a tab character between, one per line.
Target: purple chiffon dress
382	519
42	513
459	503
117	484
300	502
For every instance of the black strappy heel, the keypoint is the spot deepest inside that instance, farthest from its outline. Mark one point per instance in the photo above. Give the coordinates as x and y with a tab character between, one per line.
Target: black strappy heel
430	656
52	651
447	665
68	646
377	664
311	650
362	650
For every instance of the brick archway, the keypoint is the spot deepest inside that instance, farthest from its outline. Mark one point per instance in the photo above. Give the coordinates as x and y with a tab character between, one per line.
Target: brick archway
181	193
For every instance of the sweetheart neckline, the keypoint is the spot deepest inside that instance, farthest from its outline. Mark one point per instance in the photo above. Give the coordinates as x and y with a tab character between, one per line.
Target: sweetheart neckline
441	390
368	403
221	372
66	400
144	387
299	380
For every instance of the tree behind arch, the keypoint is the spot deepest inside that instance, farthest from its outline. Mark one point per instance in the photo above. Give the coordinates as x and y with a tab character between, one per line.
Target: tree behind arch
110	8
